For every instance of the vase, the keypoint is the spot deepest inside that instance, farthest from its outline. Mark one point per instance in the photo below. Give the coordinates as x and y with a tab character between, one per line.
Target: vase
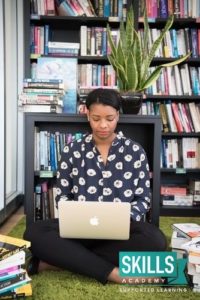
131	102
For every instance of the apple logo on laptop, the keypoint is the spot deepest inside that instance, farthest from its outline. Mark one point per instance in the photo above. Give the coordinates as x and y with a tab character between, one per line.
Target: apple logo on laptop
94	221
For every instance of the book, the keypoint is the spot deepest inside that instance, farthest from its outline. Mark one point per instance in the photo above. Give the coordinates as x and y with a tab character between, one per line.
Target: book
194	185
192	269
163	114
16	259
46	108
190	230
177	240
20	281
9	270
192	245
20	292
13	280
177	117
55	81
194	257
177	200
10	245
173	190
194	115
64	69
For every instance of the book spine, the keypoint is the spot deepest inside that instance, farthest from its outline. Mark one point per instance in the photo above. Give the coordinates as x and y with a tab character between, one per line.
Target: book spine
163	8
194	44
50	7
16	279
177	117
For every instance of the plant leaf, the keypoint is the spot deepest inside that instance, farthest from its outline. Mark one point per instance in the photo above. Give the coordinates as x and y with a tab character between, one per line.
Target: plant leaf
151	78
177	61
121	73
155	74
132	73
123	36
146	35
156	44
120	56
137	57
129	27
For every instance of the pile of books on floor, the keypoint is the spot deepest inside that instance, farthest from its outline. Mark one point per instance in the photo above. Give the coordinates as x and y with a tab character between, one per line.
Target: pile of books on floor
14	280
42	95
186	242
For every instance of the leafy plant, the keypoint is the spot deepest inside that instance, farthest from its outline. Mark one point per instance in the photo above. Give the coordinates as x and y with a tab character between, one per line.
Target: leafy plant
131	58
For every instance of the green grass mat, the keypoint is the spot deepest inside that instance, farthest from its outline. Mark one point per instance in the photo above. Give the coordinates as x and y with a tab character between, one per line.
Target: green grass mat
53	285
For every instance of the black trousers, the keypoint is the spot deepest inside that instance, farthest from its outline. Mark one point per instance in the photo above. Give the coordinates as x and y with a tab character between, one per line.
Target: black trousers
93	258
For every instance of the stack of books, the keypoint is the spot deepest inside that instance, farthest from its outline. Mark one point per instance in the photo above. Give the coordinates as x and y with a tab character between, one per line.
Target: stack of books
42	95
194	188
63	49
175	195
186	242
14	280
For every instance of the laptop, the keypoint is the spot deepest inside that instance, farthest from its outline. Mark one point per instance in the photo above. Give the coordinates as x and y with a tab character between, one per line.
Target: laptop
94	220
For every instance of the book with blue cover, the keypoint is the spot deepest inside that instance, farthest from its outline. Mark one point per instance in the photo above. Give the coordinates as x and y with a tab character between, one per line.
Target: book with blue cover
61	68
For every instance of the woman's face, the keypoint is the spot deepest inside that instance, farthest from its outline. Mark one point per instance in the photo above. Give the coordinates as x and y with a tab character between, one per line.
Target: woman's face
103	121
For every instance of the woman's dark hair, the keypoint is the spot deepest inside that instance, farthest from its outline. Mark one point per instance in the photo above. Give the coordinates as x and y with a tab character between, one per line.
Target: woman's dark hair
104	96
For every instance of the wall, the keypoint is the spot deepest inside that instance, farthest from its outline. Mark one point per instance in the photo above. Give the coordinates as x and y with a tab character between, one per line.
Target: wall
2	98
11	122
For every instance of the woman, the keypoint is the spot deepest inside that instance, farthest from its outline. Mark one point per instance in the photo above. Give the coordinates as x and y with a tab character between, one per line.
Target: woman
105	166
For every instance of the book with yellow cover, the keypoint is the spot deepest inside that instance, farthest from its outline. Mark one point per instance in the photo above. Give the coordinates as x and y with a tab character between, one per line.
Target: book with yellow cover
10	245
19	292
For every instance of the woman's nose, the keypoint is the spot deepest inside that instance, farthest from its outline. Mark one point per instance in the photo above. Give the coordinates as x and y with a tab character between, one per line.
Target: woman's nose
103	123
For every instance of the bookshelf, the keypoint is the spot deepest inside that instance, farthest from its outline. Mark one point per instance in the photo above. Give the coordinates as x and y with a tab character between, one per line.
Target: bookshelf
184	22
67	29
145	130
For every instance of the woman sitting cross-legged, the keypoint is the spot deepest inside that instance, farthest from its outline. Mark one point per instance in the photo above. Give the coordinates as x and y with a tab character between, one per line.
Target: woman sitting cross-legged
105	166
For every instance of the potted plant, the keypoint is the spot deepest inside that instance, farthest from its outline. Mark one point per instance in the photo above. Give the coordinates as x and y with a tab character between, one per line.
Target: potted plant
131	60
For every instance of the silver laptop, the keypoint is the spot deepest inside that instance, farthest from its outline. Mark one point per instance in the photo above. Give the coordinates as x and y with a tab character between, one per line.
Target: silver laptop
94	220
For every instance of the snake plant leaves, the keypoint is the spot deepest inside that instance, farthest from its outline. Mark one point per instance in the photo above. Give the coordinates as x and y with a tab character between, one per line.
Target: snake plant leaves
131	58
155	74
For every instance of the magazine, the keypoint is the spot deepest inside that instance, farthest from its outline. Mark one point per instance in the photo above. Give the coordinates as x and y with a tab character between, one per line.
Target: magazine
190	230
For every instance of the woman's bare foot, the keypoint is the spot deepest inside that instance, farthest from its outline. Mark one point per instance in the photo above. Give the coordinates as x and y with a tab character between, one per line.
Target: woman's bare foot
43	266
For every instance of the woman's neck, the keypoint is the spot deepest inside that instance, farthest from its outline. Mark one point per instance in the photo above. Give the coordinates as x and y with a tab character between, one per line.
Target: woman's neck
104	142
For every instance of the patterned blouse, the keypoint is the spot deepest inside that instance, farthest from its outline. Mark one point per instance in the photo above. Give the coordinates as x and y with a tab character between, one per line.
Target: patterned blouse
82	175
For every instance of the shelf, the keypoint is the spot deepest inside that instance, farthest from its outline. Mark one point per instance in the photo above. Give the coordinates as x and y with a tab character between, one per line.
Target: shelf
80	20
160	60
89	58
178	22
180	211
179	171
45	174
180	134
173	97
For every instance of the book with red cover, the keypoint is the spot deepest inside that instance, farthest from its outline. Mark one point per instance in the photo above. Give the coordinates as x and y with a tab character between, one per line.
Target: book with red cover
173	190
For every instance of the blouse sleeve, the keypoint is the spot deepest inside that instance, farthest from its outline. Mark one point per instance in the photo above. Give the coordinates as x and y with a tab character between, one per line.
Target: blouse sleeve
64	184
142	197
